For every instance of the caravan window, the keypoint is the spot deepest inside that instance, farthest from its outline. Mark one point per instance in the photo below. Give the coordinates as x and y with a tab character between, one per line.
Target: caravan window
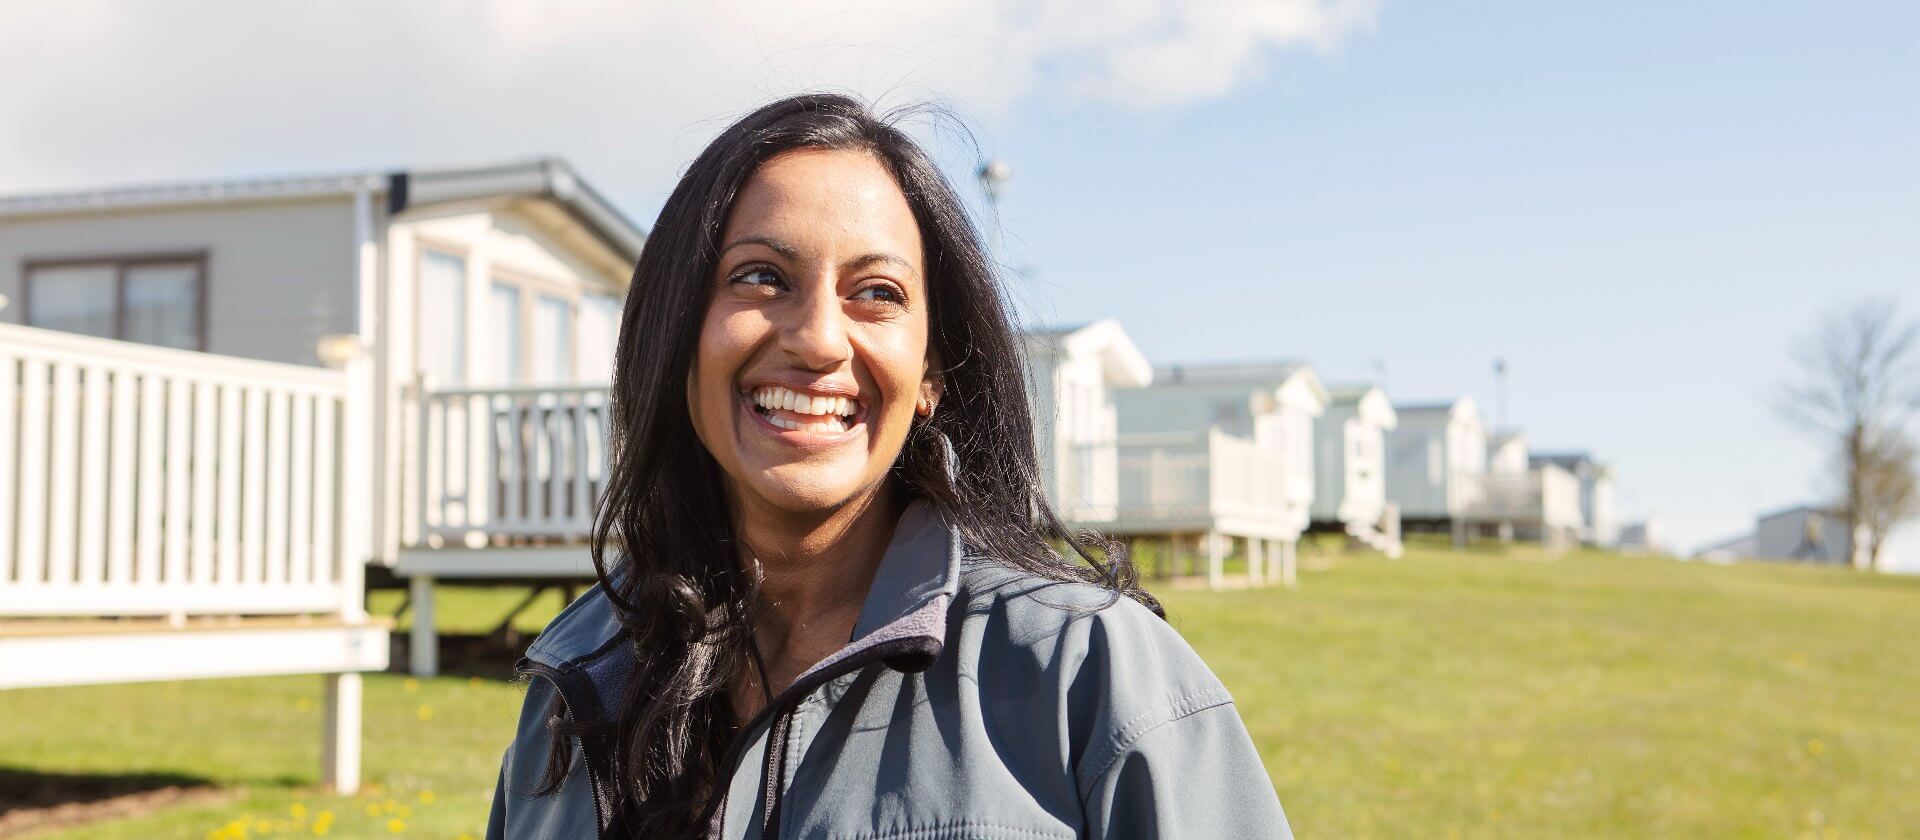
443	318
149	299
552	340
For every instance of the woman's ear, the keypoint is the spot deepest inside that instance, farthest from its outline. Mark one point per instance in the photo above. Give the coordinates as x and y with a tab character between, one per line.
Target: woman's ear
930	387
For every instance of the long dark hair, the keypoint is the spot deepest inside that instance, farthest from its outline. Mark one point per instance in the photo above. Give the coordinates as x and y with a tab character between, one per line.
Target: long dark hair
676	583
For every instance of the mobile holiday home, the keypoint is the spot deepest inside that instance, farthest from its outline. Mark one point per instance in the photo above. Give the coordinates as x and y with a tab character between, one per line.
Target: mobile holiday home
1524	498
1215	453
483	304
1350	480
1436	462
1072	373
1599	516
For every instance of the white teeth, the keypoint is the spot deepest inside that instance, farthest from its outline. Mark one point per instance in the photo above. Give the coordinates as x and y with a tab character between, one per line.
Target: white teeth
837	410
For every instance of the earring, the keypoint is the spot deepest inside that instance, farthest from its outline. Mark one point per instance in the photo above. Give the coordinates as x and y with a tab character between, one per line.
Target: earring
925	407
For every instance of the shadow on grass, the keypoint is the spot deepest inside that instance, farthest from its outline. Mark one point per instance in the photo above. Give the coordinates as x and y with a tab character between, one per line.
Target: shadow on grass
31	800
488	656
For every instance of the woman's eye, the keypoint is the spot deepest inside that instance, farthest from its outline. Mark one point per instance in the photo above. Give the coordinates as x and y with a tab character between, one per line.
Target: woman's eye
880	292
761	276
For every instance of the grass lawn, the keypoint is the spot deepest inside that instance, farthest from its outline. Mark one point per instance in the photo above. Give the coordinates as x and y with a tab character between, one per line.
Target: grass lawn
1478	694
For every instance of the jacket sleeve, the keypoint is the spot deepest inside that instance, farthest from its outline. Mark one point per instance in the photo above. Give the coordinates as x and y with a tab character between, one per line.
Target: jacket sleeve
1194	776
497	817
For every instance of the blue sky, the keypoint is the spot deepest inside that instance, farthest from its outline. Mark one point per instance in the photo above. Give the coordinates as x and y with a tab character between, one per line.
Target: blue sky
1636	207
1637	204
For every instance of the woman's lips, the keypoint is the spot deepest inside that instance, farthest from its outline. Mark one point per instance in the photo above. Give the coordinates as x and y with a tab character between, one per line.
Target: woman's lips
813	415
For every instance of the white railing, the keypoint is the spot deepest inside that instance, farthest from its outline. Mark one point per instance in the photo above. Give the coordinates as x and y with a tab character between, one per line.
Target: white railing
524	462
1197	478
137	480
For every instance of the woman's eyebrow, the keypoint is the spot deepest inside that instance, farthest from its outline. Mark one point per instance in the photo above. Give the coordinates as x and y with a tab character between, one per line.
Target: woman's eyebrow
865	260
778	247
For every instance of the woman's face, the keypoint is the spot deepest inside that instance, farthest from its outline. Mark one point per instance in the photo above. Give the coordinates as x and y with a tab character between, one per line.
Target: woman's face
813	351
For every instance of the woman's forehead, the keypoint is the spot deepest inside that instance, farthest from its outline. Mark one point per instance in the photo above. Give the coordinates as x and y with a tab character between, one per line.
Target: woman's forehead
826	200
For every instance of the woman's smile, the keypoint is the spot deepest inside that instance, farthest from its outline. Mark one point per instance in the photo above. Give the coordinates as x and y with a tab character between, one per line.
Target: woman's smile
804	417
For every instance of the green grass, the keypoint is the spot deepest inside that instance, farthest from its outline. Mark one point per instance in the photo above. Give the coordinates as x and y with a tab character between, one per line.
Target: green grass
1481	693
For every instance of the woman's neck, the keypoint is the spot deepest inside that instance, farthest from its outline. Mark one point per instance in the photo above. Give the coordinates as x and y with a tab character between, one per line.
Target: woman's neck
815	570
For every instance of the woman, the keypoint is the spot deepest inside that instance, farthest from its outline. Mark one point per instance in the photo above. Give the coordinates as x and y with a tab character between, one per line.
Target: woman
838	604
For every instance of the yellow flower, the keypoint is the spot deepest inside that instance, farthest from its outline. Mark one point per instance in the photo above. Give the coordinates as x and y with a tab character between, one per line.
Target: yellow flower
473	682
411	685
373	809
426	797
303	704
1816	747
396	826
426	713
298	810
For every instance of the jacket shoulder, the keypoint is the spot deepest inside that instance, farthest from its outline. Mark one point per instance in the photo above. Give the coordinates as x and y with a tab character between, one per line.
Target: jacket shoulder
1108	665
582	631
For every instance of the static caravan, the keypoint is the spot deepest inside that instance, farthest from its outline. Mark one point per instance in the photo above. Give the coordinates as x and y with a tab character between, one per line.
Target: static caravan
1071	375
1350	477
487	301
1436	456
1520	498
1507	453
1220	452
1599	516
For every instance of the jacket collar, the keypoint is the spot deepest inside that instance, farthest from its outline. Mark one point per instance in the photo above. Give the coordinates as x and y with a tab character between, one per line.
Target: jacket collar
916	582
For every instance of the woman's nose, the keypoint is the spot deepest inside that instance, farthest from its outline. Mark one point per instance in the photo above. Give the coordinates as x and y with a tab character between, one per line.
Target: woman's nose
815	334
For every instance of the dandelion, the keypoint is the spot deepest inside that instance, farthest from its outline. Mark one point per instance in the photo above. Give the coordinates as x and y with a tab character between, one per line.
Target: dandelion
298	810
303	704
426	712
473	682
396	825
1816	746
411	685
426	797
373	809
389	806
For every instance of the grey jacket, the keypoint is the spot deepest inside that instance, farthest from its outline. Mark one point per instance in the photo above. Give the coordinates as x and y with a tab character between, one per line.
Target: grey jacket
973	702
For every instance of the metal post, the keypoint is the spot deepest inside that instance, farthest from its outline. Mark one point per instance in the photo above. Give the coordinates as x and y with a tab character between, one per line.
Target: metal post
340	733
1216	560
423	646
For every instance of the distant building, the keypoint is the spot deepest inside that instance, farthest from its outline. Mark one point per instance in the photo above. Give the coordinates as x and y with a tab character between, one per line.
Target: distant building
1643	537
1507	452
1802	533
1597	510
1436	456
1221	452
1072	372
1727	550
1349	465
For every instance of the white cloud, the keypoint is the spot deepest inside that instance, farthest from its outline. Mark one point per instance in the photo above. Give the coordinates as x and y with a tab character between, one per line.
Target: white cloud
114	90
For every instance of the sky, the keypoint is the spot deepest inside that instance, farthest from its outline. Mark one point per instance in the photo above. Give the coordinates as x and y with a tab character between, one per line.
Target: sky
1638	205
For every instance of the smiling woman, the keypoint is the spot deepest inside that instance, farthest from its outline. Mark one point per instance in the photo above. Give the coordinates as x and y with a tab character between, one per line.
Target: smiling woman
833	599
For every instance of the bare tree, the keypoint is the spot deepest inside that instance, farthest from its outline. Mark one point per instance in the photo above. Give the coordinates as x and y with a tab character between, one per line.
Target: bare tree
1891	487
1857	388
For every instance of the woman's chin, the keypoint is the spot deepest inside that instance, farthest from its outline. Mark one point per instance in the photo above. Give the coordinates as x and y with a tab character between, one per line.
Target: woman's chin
809	488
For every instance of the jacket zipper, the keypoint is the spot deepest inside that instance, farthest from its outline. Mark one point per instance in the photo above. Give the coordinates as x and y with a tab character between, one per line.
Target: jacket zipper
780	714
775	771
